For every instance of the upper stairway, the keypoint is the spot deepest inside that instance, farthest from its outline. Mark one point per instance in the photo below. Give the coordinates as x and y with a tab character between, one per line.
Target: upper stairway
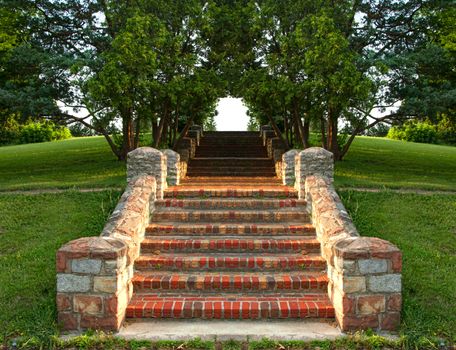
230	242
237	154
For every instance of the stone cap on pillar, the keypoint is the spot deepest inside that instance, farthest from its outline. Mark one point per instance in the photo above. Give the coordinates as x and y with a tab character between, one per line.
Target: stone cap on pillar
316	161
104	248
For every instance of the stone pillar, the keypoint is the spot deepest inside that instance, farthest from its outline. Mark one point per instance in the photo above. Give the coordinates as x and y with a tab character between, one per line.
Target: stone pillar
189	144
194	134
183	164
198	128
268	134
277	157
148	161
288	167
264	128
365	283
93	288
313	161
173	167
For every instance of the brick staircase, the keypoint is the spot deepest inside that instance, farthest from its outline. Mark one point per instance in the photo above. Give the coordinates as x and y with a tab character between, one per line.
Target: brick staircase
230	242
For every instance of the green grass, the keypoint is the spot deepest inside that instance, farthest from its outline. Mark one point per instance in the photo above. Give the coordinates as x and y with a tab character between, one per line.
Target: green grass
79	162
32	228
88	162
424	228
380	162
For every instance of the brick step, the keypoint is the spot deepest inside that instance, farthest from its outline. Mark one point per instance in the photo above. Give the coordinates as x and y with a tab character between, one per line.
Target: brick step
189	215
230	262
233	191
230	172
224	161
222	307
203	229
230	282
232	153
230	203
220	146
229	244
230	181
231	168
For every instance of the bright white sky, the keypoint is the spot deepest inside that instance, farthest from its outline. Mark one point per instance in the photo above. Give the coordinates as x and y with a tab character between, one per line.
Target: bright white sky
232	115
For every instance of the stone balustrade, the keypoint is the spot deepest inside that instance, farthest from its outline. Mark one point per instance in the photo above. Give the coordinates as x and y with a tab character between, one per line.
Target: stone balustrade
364	272
94	273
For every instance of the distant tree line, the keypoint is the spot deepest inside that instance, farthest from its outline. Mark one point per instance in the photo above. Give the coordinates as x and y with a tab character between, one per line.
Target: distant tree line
155	67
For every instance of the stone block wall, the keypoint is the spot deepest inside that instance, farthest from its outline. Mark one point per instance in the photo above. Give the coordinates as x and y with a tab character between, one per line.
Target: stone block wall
364	272
288	167
194	134
173	168
148	161
189	144
94	273
184	156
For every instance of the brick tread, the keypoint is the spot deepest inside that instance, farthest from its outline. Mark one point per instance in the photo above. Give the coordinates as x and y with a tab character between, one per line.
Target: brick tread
247	244
230	203
286	214
234	192
227	262
201	228
222	307
225	282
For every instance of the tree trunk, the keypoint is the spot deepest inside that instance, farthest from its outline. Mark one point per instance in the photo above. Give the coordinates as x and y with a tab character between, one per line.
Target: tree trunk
137	132
184	131
161	126
299	130
324	142
333	145
306	132
278	132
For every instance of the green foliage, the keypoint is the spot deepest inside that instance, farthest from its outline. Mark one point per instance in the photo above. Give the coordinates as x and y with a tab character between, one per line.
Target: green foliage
42	132
413	131
32	132
79	130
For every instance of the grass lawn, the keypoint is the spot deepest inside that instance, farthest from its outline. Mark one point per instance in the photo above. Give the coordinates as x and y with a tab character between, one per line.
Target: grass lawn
77	162
88	162
32	228
380	162
31	231
424	228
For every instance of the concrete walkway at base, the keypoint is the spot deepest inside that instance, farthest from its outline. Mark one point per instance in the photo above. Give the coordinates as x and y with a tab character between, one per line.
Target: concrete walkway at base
229	330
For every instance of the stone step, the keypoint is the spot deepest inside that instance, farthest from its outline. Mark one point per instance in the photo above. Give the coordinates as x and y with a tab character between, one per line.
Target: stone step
222	307
234	191
189	215
203	229
229	244
229	282
230	203
230	262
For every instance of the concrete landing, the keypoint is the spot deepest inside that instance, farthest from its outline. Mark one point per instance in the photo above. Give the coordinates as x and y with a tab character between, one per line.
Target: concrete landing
226	330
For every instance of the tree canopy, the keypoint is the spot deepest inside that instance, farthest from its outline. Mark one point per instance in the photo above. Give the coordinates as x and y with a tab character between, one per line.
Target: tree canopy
335	68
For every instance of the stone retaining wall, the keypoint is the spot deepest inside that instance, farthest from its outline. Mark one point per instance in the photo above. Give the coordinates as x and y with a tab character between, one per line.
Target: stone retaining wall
364	272
94	273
